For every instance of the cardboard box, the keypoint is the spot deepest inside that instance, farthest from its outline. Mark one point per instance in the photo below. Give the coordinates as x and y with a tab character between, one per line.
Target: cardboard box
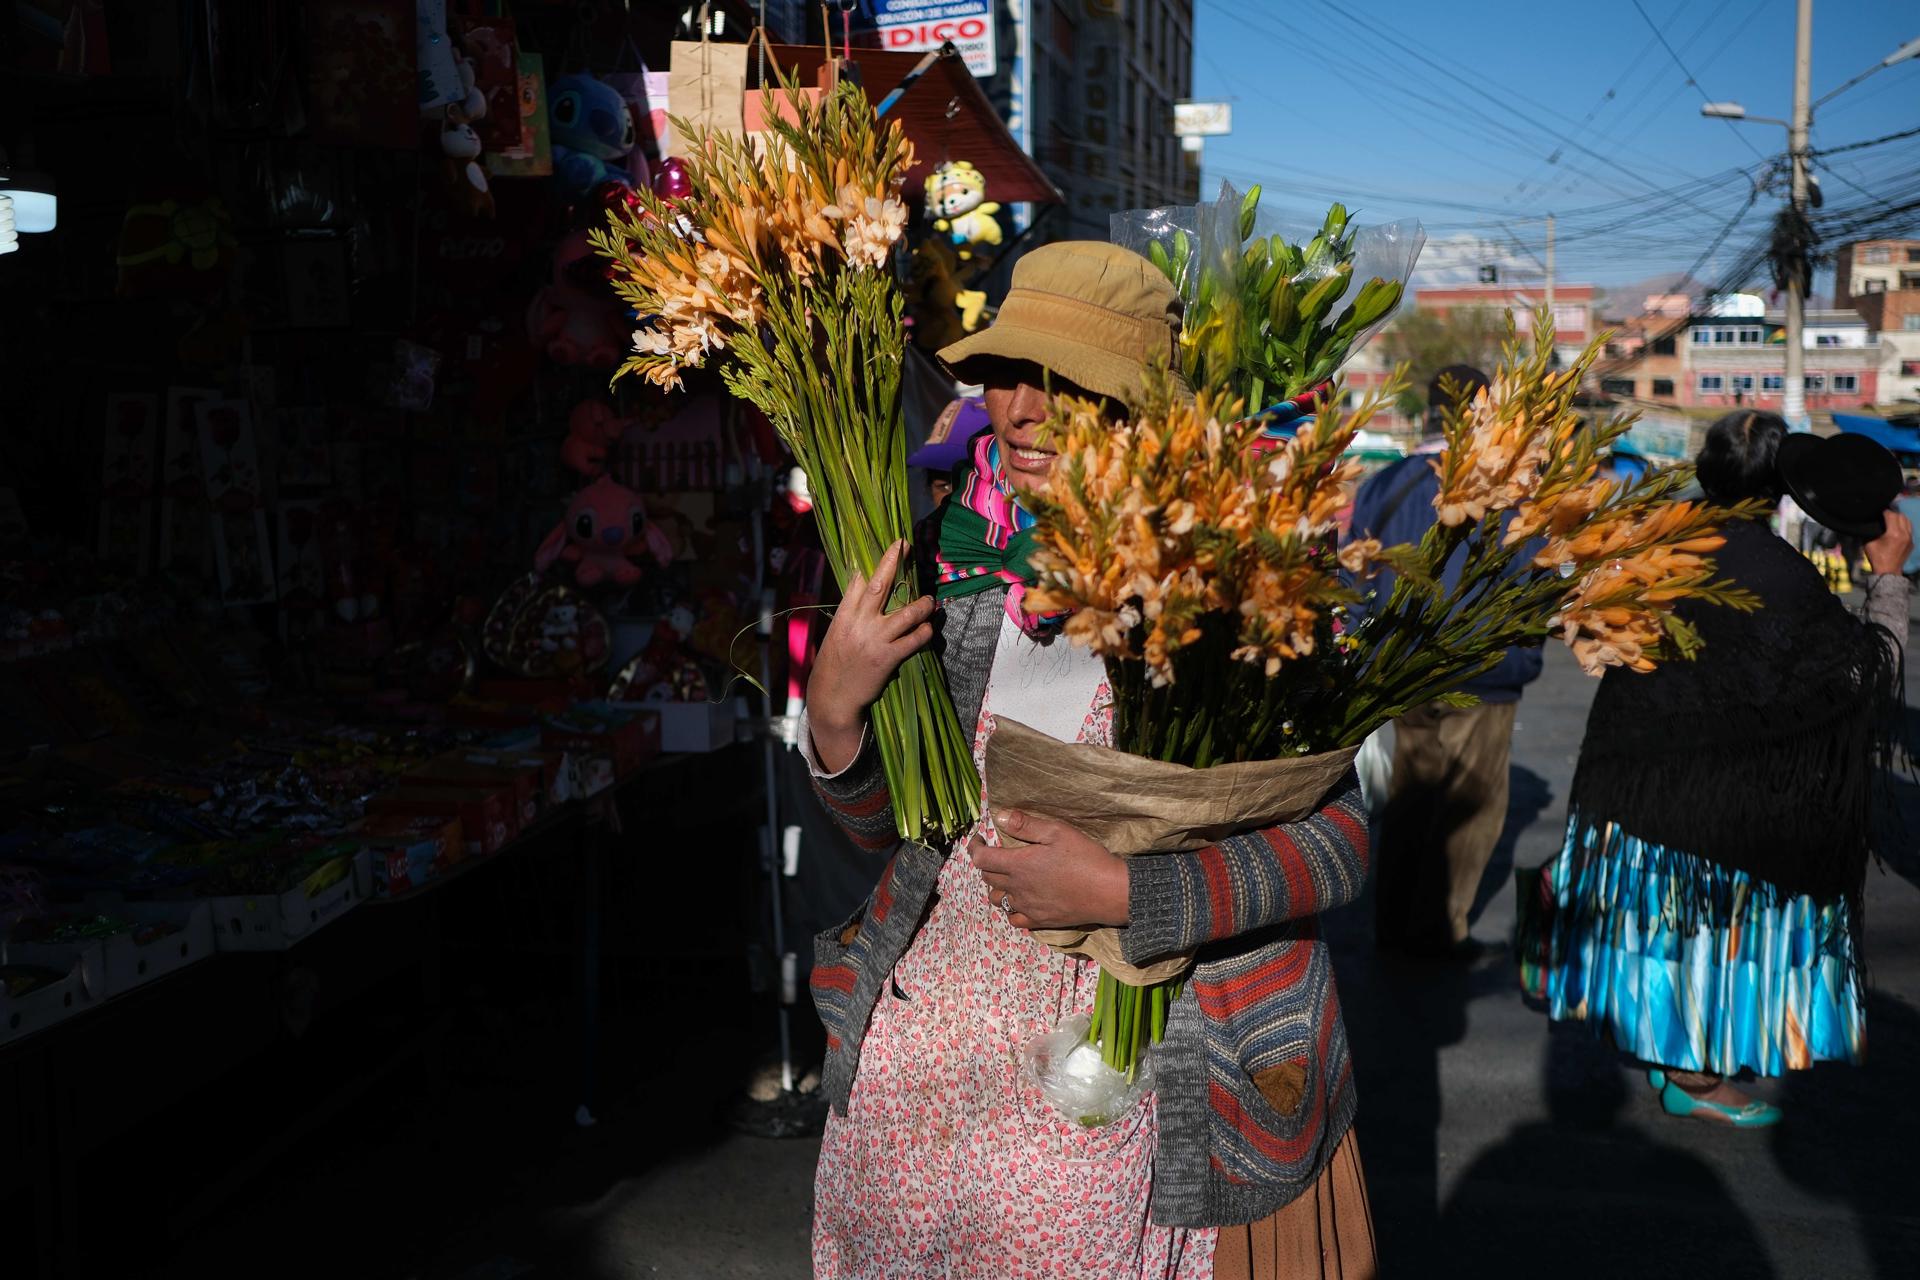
559	775
113	966
403	852
485	813
626	735
694	726
275	921
523	780
21	1016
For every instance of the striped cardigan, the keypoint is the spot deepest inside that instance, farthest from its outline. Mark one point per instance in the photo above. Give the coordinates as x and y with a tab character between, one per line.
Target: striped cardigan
1255	1087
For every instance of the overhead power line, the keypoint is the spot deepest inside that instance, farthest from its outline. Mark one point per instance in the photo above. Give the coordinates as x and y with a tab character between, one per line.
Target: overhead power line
1691	78
1870	142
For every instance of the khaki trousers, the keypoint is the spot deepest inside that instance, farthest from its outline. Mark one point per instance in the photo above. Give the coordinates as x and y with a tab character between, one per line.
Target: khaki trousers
1444	813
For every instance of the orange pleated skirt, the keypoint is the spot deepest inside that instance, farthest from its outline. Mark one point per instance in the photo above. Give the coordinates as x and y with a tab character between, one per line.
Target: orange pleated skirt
1326	1234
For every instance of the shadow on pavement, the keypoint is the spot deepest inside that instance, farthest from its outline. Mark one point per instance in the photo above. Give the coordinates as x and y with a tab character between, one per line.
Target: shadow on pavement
1585	1193
1850	1135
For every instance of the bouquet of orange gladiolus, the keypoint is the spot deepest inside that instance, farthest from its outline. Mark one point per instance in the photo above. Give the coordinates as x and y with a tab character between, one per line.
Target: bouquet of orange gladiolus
1210	580
777	268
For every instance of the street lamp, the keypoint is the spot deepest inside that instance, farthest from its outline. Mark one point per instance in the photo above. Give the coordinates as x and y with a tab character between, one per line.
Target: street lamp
1734	111
1793	406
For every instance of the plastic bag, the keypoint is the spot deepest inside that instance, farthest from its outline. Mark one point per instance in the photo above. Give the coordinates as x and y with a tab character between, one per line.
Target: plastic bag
1072	1076
1225	259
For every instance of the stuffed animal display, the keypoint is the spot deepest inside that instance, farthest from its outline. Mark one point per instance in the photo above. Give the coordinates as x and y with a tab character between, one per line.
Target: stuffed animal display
958	205
593	429
460	142
605	526
576	319
593	132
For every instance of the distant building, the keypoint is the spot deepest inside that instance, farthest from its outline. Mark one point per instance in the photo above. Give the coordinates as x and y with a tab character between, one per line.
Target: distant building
1572	307
1881	280
1871	275
1729	361
1738	361
1088	86
1643	359
1104	77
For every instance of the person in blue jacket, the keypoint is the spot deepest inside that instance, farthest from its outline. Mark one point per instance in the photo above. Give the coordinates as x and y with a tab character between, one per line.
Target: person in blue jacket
1447	802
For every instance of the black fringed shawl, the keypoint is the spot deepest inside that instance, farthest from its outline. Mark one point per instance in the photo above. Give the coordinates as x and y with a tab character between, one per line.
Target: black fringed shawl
1762	754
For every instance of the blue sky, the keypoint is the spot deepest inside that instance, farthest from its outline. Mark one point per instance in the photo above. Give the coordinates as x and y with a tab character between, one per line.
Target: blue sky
1326	104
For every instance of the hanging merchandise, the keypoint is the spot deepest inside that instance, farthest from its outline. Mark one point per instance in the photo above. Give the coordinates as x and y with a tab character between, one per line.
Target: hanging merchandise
958	205
495	50
593	133
363	86
593	428
645	93
441	82
532	156
682	451
576	319
606	524
706	91
466	178
174	247
459	140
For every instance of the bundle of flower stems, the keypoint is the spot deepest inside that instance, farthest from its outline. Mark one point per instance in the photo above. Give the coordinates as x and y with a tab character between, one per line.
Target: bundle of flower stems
1210	580
777	266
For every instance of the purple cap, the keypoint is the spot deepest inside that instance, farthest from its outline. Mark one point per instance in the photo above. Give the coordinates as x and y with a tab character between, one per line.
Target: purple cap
953	431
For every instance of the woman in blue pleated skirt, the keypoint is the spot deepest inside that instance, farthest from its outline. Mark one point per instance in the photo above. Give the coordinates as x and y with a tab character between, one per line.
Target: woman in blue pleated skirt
1704	912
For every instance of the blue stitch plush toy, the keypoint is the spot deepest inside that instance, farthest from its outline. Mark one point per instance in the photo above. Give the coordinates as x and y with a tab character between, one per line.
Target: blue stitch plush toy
592	133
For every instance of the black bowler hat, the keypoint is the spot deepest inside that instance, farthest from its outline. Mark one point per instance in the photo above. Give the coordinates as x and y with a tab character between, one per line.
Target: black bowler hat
1846	482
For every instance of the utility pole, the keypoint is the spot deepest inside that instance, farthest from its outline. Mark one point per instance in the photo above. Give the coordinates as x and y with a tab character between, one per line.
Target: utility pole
1793	406
1794	401
1550	267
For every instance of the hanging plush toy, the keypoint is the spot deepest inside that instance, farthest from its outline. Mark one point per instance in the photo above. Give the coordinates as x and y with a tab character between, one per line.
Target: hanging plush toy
957	202
606	524
459	142
593	429
576	319
592	133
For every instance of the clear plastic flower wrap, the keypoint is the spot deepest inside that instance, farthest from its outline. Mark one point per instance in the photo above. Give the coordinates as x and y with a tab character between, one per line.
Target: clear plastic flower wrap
1074	1077
1270	316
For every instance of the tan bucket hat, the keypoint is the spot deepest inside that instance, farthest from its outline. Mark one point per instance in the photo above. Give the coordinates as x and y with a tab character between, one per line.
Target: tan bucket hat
1093	313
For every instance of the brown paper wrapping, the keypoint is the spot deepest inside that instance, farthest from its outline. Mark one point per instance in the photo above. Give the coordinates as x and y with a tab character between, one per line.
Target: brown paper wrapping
1136	806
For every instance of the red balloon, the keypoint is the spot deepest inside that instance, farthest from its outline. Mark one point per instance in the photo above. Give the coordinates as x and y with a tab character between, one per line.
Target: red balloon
671	181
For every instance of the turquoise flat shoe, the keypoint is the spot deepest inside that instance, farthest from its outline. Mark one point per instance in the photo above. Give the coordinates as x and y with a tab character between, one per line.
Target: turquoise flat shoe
1676	1101
1657	1078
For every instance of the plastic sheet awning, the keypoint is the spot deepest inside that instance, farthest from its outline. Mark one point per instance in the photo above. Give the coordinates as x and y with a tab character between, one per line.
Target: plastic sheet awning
945	114
1900	436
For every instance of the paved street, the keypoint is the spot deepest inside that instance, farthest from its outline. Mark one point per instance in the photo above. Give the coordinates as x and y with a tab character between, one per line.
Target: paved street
1492	1146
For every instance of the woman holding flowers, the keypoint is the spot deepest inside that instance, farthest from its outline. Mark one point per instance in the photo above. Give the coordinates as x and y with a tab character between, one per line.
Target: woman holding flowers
1704	912
940	1158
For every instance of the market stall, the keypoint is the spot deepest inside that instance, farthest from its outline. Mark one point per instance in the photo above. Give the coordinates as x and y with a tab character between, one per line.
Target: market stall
351	627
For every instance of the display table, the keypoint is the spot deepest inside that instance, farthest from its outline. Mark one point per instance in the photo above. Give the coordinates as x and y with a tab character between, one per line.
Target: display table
250	1053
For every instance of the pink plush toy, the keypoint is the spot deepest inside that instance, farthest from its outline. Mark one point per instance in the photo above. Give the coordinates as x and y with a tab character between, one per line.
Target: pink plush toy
572	322
593	429
606	524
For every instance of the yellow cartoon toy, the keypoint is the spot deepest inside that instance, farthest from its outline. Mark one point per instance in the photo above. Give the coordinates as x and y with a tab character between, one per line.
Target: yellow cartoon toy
957	202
